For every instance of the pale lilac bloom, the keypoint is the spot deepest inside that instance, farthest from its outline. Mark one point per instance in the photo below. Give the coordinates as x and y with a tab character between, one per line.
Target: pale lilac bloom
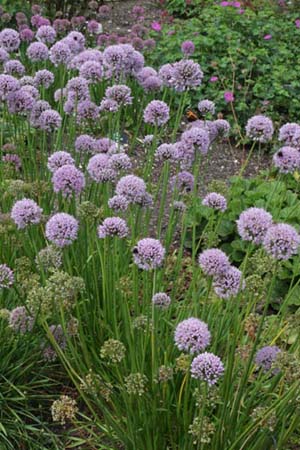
207	367
113	226
26	212
62	229
148	254
192	335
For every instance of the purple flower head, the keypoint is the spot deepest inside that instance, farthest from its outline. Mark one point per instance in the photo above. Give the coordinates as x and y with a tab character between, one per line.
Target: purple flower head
287	159
120	94
267	37
138	11
206	107
62	229
260	128
213	262
118	203
60	94
289	134
68	180
85	56
13	159
50	120
94	27
207	367
60	53
281	241
152	83
93	4
26	35
105	145
149	44
192	335
108	105
120	161
49	353
183	181
14	67
166	152
137	43
253	224
9	40
38	108
166	74
59	159
161	300
228	96
156	26
148	254
19	321
4	55
207	125
37	51
222	127
78	87
228	283
26	212
104	11
36	9
85	144
99	168
186	75
46	34
26	80
188	48
91	70
133	188
6	277
145	73
156	113
8	85
76	41
113	226
198	138
43	78
61	25
266	357
20	102
87	110
215	201
31	90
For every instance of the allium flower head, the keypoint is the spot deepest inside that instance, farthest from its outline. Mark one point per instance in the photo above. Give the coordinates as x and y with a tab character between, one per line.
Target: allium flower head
26	212
6	276
20	102
59	159
132	187
78	87
76	41
64	409
228	283
156	113
281	241
108	105
198	137
214	262
4	55
62	229
206	107
152	84
85	144
166	152
161	300
91	70
38	108
105	145
166	74
253	224
183	181
49	258
68	180
113	226
26	35
20	321
260	128
87	110
14	67
287	159
289	134
215	201
50	120
13	159
118	203
120	94
186	74
9	40
99	168
46	34
222	127
188	48
43	78
207	367
266	357
148	254
37	51
8	85
120	161
60	53
192	335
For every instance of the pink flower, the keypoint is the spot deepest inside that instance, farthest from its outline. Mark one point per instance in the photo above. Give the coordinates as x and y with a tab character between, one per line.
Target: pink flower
240	11
171	32
225	4
236	4
156	26
297	23
213	79
228	96
267	37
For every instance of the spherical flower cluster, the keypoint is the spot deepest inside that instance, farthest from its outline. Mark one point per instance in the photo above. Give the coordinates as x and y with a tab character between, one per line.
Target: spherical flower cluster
289	134
215	201
192	335
78	88
105	145
287	159
60	53
121	94
148	254
59	159
99	168
20	102
183	181
37	51
6	276
166	152
281	241
118	203
46	34
260	128
222	127
188	48
207	367
266	357
156	113
14	67
120	161
76	41
113	226
87	110
9	40
62	229
132	187
8	85
13	159
186	74
20	321
228	283
39	107
4	55
206	107
43	78
50	120
108	105
253	224
85	143
68	180
26	212
213	262
166	75
198	137
26	35
91	70
161	300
